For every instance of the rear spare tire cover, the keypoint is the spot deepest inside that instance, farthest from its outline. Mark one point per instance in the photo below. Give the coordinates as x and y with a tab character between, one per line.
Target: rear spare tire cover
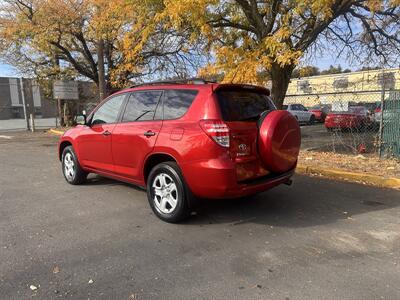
279	141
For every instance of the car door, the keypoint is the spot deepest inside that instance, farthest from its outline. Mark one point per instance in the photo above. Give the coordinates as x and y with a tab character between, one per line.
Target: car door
134	138
305	114
294	110
94	142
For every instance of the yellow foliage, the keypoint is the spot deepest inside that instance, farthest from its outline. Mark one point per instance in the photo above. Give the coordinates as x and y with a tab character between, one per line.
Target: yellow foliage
124	24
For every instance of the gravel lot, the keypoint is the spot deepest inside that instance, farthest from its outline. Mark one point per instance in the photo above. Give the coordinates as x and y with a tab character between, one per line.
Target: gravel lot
317	239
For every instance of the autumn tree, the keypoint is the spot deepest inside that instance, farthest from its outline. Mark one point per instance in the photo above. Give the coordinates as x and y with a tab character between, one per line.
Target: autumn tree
305	71
61	39
253	37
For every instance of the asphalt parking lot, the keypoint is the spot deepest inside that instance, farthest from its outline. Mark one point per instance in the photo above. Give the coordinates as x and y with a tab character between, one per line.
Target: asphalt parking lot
316	137
317	239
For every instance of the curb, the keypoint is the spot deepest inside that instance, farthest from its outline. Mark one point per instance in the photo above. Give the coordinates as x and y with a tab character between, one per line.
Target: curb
375	180
56	132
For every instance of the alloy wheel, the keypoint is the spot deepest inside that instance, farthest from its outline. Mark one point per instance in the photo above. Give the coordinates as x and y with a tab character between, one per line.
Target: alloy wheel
69	166
165	193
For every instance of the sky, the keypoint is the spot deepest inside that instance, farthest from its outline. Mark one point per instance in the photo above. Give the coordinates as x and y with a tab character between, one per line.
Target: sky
8	71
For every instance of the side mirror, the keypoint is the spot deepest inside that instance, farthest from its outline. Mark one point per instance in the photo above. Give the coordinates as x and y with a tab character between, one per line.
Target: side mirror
81	120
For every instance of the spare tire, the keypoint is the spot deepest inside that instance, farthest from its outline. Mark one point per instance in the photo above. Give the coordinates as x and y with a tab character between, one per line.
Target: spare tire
279	141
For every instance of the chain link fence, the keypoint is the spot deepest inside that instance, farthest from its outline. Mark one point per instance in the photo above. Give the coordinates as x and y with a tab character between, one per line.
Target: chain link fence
350	122
390	130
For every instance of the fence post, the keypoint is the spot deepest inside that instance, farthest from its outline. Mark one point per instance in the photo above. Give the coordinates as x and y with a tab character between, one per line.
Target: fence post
381	122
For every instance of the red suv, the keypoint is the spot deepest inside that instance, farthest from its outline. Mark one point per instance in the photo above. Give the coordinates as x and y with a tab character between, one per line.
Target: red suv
183	141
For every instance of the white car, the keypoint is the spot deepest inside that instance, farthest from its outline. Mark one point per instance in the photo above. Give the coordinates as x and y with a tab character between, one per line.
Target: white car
300	112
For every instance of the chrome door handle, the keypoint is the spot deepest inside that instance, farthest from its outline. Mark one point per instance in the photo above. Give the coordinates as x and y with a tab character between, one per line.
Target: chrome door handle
149	133
106	133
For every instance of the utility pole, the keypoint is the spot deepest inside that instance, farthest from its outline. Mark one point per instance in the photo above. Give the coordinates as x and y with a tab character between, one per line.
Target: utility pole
59	101
21	81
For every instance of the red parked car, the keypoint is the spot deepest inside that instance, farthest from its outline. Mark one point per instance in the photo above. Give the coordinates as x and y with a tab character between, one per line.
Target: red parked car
320	112
355	118
185	141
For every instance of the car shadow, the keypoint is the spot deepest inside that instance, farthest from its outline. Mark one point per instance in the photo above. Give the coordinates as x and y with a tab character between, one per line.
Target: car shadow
309	202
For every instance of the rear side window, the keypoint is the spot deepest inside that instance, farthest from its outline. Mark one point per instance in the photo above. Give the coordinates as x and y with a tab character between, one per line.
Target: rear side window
177	102
141	106
243	105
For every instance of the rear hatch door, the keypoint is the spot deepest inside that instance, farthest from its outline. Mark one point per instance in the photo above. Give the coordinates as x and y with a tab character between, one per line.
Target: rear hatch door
241	107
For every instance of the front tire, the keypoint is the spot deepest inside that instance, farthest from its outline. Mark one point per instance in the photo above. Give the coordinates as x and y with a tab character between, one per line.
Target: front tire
73	173
168	195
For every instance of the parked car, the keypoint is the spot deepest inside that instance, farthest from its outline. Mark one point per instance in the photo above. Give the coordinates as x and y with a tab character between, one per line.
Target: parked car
300	112
356	117
378	113
184	142
320	111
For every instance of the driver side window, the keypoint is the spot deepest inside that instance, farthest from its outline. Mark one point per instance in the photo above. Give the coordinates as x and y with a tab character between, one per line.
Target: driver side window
108	112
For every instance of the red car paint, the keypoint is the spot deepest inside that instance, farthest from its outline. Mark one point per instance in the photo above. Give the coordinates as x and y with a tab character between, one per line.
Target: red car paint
355	118
318	114
122	150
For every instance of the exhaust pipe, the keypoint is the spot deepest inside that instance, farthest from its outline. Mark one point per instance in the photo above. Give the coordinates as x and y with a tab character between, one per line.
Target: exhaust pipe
288	182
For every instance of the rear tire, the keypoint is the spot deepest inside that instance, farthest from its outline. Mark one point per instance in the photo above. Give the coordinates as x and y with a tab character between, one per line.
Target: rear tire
72	170
168	195
312	120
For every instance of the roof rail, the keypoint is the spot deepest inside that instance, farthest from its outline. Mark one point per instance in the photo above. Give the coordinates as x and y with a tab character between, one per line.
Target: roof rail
175	81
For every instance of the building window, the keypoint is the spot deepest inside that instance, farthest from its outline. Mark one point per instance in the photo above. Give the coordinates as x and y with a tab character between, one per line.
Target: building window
386	80
341	83
304	86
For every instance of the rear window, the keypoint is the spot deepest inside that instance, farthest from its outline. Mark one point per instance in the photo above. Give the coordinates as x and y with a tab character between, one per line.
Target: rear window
243	105
177	102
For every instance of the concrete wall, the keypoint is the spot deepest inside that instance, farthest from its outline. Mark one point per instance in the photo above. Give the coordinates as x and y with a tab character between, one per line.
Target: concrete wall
5	99
363	81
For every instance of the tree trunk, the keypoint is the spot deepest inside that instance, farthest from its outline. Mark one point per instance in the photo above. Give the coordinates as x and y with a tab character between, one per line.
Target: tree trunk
100	68
61	118
280	77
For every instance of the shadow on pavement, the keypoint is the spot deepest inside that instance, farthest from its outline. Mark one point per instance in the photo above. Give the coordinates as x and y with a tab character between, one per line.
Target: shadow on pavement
309	202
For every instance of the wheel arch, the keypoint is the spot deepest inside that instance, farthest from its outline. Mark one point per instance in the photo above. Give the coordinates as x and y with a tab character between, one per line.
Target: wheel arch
153	160
62	146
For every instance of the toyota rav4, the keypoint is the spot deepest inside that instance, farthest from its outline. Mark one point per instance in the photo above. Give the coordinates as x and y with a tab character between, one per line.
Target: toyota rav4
184	141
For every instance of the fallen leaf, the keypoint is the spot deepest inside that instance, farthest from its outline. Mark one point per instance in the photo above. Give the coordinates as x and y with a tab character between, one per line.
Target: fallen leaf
33	287
56	270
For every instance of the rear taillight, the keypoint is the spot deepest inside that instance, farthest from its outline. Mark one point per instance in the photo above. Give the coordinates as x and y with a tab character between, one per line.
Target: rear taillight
217	130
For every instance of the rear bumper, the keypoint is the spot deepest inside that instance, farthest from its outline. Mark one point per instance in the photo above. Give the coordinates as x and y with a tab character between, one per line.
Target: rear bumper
261	185
342	124
217	180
